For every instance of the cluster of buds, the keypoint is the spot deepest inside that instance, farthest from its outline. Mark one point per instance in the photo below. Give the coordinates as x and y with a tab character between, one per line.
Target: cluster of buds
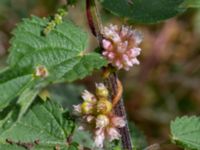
97	116
57	19
120	46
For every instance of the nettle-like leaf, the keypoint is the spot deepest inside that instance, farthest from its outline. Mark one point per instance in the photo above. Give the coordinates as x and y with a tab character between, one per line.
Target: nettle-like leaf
12	84
61	51
44	127
185	132
144	11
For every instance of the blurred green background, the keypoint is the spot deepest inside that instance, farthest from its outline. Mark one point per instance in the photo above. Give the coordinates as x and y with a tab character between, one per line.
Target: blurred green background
165	85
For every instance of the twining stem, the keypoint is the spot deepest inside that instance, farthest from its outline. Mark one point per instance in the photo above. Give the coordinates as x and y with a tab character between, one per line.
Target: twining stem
118	95
112	80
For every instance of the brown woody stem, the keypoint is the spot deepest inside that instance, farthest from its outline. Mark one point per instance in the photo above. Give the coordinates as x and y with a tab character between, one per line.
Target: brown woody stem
112	80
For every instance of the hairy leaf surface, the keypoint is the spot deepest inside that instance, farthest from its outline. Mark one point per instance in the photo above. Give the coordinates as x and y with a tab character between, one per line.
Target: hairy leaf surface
45	123
60	51
12	84
186	132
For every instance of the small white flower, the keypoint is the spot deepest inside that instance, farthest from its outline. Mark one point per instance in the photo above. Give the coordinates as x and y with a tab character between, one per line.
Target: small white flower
99	138
113	134
77	109
87	96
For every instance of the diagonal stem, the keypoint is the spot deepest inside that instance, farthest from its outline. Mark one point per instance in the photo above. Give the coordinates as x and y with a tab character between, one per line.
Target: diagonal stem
120	111
111	81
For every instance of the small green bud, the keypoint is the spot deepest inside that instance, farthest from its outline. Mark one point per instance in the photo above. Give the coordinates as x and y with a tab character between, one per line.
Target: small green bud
58	19
104	106
87	108
101	90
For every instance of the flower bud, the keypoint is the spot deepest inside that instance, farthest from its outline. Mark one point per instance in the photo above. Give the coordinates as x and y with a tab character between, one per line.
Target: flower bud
102	121
41	71
113	134
101	90
88	97
58	19
87	108
104	106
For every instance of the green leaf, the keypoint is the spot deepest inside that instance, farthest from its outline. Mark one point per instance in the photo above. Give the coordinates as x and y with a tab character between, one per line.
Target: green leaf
72	2
191	4
144	11
10	147
185	132
26	99
138	138
85	66
45	122
60	51
12	84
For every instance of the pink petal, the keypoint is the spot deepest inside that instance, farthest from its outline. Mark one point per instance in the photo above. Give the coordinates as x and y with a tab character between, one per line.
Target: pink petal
111	55
135	61
118	64
118	122
135	51
105	53
106	44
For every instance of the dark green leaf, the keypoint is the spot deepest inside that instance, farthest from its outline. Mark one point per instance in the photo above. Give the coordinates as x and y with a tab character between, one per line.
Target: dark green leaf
144	11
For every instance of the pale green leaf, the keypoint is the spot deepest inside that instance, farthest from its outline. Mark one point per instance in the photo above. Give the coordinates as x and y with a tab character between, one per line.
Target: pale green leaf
185	132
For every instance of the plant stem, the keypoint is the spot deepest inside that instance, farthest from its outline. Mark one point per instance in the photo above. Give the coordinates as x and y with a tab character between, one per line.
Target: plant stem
96	26
120	111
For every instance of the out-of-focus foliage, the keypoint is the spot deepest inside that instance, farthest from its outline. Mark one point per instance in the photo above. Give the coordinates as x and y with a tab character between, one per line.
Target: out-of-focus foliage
191	3
138	138
144	11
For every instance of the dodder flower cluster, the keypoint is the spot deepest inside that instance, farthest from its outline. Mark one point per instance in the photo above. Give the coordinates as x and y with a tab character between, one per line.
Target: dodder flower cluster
96	115
121	46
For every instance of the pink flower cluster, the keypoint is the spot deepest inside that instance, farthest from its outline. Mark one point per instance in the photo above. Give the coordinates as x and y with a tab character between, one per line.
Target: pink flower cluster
96	115
121	46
